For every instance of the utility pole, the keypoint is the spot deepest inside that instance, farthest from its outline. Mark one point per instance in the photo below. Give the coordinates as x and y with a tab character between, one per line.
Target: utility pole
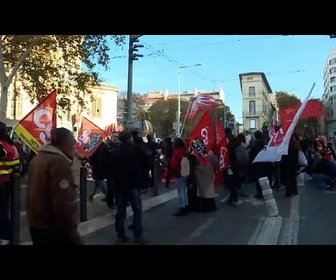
131	57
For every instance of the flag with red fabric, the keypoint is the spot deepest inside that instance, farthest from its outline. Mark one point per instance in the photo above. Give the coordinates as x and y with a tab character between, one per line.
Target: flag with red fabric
90	136
36	127
201	139
221	150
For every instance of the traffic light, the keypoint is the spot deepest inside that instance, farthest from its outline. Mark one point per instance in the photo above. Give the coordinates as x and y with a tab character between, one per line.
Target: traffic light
133	48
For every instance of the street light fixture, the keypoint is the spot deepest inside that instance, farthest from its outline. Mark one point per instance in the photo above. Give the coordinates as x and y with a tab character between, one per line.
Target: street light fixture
179	96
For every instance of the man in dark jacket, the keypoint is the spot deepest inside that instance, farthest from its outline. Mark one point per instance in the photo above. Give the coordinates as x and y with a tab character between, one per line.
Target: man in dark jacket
109	162
129	181
153	147
51	193
260	169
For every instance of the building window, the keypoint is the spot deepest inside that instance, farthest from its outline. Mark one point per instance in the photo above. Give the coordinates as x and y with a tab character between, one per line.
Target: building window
252	107
249	78
251	91
332	70
332	61
332	79
96	107
333	88
252	124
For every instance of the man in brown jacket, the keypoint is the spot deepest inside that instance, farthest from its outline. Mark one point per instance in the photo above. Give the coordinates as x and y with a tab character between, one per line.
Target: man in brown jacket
51	193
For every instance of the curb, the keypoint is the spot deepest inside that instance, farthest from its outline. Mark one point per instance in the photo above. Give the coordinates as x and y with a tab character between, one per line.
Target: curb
101	222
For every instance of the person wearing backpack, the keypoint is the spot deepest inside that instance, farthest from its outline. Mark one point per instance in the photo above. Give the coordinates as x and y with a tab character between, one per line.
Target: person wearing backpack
180	170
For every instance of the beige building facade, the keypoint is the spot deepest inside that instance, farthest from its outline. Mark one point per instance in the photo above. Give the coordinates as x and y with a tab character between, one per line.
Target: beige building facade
256	98
102	110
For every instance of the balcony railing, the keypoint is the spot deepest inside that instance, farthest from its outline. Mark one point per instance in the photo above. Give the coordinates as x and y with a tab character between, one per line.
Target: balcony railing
256	113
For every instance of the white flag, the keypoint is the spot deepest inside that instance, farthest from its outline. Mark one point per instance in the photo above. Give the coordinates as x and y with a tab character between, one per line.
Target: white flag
274	151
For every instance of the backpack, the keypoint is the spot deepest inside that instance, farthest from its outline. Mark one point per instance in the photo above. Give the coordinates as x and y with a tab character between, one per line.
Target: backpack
185	167
242	156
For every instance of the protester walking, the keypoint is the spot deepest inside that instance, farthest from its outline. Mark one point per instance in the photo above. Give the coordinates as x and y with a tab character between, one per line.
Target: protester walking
129	179
51	193
179	152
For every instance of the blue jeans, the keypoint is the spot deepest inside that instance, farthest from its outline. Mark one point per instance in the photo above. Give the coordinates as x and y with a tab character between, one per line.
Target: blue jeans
134	198
181	185
322	180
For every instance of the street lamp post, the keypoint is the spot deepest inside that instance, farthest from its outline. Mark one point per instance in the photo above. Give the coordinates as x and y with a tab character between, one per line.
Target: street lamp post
179	96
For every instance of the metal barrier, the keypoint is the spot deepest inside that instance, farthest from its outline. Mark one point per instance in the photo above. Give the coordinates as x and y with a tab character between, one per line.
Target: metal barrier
83	192
15	209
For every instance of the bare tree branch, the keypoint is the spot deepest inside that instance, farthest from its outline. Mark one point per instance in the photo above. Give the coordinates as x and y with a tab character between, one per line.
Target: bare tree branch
22	58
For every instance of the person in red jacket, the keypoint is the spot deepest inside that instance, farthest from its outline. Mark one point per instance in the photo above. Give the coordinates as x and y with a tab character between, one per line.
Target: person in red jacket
9	158
179	151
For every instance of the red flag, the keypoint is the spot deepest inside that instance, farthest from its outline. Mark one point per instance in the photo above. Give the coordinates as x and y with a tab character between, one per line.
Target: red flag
313	109
90	137
221	148
35	128
201	139
201	103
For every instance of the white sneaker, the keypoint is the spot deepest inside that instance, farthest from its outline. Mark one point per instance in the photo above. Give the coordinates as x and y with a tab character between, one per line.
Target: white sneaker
4	242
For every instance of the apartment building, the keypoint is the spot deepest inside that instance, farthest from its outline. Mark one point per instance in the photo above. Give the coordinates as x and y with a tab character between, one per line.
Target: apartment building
329	96
256	97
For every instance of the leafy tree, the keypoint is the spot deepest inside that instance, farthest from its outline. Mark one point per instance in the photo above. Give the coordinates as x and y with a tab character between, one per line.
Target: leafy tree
228	115
44	62
162	114
285	99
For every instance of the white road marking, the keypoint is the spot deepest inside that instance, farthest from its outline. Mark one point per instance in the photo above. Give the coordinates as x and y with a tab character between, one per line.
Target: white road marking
256	232
198	231
269	233
329	192
225	199
290	228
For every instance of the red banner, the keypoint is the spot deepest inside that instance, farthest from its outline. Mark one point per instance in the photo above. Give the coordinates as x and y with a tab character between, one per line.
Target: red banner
313	109
201	139
35	128
221	150
201	103
90	137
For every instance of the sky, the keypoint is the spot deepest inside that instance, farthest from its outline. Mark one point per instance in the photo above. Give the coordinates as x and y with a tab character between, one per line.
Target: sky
290	63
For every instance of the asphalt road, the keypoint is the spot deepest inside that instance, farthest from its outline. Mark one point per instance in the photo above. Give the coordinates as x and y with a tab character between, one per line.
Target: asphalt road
317	216
227	226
